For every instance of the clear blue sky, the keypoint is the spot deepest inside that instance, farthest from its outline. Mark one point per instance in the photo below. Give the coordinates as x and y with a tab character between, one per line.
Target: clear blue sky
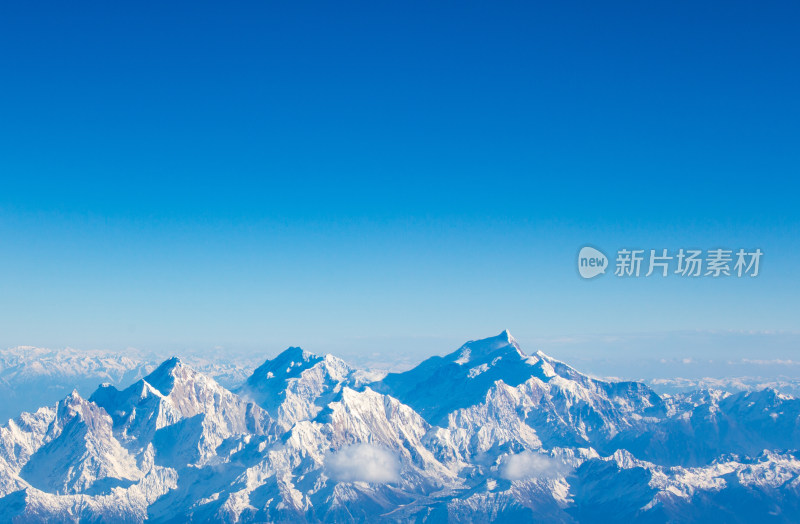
254	175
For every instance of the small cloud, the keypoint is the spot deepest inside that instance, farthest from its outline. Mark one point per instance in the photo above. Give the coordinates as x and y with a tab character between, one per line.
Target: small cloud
363	463
531	465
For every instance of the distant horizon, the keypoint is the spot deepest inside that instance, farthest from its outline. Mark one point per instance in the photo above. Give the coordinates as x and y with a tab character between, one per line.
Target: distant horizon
626	356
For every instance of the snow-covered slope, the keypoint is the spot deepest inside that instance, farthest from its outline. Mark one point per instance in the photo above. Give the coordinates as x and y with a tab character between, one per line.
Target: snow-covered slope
32	377
296	385
491	384
440	385
486	433
184	414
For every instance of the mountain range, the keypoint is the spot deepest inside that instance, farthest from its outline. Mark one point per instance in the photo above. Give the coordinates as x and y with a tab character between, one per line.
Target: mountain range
484	434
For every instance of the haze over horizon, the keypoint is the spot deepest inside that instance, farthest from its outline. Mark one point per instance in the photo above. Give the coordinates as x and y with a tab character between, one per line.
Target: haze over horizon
652	357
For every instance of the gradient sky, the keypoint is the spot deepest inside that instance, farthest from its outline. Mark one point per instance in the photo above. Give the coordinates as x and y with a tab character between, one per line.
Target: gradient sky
383	177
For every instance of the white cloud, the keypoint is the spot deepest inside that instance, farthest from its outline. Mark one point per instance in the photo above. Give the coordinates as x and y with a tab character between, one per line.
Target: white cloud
529	465
364	463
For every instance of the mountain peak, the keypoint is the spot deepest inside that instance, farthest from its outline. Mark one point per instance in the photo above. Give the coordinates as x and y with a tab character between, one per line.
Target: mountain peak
70	405
462	377
475	350
163	377
296	353
289	363
172	362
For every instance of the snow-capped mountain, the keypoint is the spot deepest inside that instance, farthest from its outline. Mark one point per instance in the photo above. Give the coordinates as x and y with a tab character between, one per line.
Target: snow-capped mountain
486	433
296	385
186	415
31	377
677	385
489	378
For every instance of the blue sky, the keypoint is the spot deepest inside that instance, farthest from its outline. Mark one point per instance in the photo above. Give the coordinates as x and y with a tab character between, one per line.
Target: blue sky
389	178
